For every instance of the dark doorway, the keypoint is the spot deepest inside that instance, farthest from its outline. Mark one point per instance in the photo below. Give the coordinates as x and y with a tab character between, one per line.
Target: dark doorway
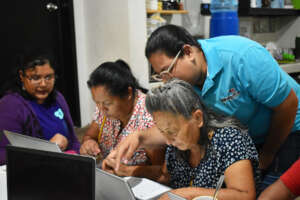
47	24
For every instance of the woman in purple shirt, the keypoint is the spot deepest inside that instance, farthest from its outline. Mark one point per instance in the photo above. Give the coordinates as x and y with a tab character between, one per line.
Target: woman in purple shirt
32	106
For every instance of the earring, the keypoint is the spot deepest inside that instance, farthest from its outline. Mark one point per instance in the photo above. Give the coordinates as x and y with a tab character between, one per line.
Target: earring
23	88
210	134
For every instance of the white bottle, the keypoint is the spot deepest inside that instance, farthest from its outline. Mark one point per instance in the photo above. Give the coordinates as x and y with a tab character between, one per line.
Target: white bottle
152	4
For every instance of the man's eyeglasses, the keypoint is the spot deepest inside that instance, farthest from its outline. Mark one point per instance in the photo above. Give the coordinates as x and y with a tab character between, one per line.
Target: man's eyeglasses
166	74
36	80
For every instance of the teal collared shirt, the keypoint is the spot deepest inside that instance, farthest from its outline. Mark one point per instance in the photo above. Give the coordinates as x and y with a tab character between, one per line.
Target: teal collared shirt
244	81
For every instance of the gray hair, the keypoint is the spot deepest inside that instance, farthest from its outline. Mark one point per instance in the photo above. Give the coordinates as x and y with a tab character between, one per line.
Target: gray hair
175	96
178	97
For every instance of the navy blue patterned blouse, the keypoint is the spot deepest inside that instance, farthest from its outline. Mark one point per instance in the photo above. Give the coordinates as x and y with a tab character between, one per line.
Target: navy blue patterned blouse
227	146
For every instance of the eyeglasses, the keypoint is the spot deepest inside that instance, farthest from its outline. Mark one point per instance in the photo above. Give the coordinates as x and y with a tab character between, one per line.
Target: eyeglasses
166	74
36	80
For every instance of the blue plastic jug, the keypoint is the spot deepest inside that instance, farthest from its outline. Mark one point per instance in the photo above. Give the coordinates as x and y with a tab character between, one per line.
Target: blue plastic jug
224	18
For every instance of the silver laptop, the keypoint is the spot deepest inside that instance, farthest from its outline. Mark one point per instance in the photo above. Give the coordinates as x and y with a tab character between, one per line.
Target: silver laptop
26	141
173	196
130	188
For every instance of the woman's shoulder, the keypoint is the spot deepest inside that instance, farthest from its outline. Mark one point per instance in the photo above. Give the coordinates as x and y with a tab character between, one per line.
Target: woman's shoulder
234	143
141	118
12	99
140	95
231	136
59	96
140	107
14	106
227	132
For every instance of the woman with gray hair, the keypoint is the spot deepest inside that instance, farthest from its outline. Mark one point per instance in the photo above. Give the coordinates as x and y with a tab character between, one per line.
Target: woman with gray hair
201	145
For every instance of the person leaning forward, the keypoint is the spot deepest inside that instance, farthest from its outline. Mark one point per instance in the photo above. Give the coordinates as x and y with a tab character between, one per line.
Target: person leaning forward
235	76
201	145
120	110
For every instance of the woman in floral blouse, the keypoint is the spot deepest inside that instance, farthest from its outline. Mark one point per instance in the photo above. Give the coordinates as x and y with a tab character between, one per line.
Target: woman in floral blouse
120	111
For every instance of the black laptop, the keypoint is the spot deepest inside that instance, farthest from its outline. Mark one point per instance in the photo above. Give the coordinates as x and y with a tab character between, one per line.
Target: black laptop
35	175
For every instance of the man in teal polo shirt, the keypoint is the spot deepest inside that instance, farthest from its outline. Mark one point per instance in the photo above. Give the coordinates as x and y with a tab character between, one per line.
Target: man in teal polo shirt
238	77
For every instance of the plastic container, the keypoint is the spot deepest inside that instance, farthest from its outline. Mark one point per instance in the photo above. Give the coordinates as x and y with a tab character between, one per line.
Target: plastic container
152	4
270	4
277	3
224	18
258	4
223	5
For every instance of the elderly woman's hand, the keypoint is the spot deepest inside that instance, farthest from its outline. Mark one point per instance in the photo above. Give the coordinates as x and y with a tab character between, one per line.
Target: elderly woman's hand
109	162
60	140
109	165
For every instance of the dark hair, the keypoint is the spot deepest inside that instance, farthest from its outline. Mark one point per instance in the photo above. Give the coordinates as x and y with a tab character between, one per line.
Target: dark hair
169	39
116	77
27	60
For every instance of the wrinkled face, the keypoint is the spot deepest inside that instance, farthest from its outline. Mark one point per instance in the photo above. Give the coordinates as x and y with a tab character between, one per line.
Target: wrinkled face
179	132
38	81
185	68
112	106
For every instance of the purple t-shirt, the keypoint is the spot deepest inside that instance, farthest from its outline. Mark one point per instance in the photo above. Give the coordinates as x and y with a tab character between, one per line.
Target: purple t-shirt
18	115
51	119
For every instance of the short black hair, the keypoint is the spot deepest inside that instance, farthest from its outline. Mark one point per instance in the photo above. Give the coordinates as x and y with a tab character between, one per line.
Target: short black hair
169	39
116	77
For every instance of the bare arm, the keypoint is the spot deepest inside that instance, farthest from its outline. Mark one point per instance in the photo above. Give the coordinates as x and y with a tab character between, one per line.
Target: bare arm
276	191
92	132
239	184
286	187
154	170
89	142
282	121
148	139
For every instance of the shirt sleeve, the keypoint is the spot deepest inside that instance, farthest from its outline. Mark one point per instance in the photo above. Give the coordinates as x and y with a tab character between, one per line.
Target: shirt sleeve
262	77
142	116
12	119
291	178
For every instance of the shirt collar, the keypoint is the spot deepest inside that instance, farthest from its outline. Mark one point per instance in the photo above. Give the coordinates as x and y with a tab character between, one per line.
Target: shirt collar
214	66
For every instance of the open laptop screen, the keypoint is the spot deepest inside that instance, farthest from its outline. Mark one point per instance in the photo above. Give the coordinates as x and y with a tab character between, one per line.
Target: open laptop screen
26	141
34	175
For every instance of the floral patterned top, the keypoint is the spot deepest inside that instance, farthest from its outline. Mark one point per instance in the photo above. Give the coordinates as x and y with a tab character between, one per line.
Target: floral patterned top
227	146
112	133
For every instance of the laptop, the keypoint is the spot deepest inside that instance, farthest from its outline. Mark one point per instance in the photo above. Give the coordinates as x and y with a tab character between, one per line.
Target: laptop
34	175
173	196
129	188
26	141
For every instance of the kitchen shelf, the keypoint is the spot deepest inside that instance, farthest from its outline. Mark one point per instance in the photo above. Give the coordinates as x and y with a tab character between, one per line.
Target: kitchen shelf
167	12
245	10
269	12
